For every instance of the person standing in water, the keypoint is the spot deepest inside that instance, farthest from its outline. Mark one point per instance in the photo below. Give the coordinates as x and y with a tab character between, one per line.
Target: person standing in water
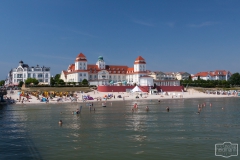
60	122
167	109
135	106
147	108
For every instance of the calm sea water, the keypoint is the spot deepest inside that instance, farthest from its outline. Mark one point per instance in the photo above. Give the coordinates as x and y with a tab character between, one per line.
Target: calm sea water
114	132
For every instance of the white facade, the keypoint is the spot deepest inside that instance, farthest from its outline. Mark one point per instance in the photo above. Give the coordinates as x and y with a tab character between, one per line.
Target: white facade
102	74
146	81
23	72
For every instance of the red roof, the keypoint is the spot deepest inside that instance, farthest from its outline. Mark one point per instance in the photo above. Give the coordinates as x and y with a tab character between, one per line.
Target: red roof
212	73
71	67
140	60
80	57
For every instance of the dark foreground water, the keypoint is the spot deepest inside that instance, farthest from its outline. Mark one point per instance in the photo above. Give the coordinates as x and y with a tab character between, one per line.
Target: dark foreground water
114	132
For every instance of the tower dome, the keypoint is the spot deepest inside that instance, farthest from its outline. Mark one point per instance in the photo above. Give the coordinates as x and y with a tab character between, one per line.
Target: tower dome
100	58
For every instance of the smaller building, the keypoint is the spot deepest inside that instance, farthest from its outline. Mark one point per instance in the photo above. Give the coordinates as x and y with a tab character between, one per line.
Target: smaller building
182	75
23	72
213	75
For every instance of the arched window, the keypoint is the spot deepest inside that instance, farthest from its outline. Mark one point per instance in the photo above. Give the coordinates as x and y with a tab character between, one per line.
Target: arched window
19	70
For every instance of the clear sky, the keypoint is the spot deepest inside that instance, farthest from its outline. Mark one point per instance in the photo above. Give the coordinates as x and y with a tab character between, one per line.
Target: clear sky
172	35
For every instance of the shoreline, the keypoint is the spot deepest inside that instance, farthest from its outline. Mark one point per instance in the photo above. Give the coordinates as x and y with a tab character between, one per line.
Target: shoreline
124	97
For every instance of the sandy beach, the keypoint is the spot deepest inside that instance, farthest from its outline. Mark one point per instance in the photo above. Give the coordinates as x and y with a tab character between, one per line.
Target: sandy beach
114	96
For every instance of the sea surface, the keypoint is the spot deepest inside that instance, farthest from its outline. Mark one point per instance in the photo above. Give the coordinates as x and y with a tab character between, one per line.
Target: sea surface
115	132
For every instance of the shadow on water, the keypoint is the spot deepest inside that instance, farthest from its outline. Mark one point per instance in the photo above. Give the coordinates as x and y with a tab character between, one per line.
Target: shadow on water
15	141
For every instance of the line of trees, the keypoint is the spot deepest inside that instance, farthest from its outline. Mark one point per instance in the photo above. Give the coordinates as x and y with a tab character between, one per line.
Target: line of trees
2	82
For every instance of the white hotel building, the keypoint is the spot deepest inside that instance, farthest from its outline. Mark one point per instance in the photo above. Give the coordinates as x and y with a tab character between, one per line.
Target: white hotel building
23	72
102	74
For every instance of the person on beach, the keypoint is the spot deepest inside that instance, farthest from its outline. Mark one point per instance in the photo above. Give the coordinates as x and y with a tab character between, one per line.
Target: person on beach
210	104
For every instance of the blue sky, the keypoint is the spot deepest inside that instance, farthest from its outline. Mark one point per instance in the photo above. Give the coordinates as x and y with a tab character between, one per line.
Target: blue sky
172	35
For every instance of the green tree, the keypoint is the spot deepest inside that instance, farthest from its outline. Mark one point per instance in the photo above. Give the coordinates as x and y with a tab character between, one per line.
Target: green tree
235	79
31	80
20	84
190	78
85	82
61	82
57	77
2	82
52	81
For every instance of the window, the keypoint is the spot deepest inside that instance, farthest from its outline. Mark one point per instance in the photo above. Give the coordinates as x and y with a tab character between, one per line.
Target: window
39	75
37	69
34	75
84	74
80	74
19	76
29	75
19	70
46	75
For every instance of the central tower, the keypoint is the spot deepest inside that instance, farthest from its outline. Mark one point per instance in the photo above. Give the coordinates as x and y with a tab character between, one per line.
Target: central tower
100	63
